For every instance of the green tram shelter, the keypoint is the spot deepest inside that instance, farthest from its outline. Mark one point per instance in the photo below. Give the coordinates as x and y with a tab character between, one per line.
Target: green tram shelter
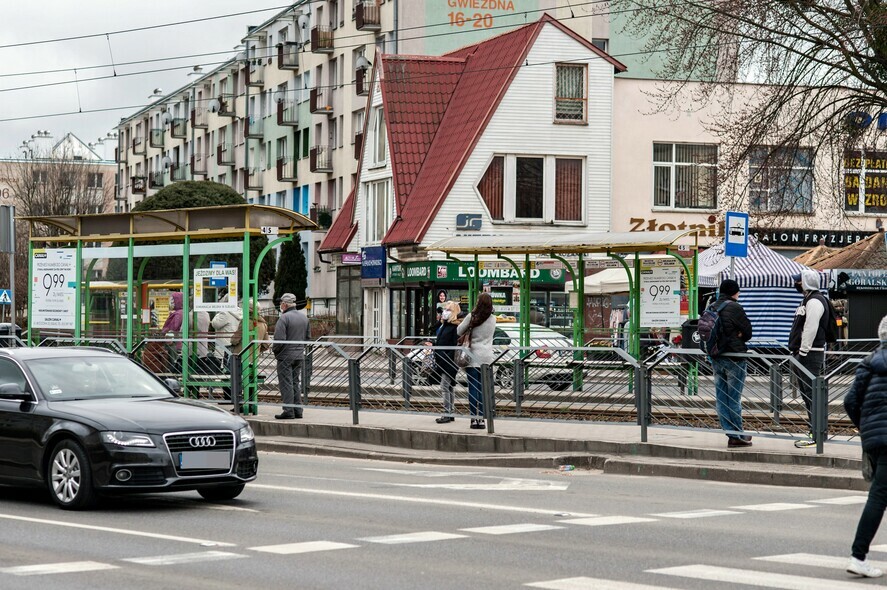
176	228
570	250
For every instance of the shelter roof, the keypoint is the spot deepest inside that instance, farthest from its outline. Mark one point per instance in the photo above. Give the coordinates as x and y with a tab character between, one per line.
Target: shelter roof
574	243
870	253
814	255
170	224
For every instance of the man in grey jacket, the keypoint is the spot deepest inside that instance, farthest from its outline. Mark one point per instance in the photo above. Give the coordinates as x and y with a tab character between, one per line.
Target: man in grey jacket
292	326
807	340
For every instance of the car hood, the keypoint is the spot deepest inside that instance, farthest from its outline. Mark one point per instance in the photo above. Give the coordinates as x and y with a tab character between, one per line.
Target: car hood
151	415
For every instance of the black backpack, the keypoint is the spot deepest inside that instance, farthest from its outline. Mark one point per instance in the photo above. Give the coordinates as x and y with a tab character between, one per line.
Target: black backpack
832	318
709	330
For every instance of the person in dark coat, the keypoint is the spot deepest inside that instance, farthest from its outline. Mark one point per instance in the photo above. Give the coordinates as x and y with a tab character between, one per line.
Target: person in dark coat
866	405
443	359
730	372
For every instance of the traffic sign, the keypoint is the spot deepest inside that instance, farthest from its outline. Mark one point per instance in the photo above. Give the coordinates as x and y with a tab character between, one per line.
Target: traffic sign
736	228
5	297
218	281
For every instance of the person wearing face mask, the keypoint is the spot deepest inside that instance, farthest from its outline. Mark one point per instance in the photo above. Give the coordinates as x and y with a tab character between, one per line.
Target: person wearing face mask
806	340
443	357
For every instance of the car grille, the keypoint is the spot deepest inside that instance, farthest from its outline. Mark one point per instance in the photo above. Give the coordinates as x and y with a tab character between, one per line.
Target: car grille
180	442
146	476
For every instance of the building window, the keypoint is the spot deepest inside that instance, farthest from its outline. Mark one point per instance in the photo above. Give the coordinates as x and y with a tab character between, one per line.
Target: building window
570	100
781	180
378	210
94	180
379	155
685	176
534	189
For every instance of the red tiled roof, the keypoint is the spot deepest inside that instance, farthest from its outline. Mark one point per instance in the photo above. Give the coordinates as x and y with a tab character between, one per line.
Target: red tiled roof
869	253
342	230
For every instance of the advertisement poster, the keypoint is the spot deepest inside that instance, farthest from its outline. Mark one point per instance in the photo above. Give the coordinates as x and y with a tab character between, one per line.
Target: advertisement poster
660	296
203	280
54	289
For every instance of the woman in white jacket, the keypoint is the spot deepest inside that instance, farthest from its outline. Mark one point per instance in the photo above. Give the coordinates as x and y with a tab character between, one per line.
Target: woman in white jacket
480	325
224	324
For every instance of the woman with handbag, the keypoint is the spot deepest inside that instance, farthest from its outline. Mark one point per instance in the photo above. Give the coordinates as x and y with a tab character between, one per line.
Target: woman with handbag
477	331
866	405
443	358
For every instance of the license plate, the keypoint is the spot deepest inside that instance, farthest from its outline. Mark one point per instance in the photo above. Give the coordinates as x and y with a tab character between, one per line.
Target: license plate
205	460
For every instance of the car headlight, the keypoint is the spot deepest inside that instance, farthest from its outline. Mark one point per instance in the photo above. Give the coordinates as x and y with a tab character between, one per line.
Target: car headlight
246	434
127	439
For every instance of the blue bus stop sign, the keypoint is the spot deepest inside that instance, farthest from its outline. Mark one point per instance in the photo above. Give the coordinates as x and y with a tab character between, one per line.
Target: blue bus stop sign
218	281
736	230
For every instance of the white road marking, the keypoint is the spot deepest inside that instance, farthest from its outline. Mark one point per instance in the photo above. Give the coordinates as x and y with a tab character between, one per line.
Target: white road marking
842	500
423	537
878	548
607	520
703	513
508	529
229	508
506	485
756	578
414	500
829	561
774	507
592	584
421	473
57	568
105	529
184	558
307	547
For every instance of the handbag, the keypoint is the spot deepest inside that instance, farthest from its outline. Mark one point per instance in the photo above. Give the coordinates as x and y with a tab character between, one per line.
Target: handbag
868	466
462	358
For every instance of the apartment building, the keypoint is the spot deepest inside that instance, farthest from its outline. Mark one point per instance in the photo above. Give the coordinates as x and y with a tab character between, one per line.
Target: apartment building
282	121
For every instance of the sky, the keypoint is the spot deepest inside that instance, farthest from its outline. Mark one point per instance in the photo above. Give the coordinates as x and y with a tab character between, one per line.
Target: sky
37	20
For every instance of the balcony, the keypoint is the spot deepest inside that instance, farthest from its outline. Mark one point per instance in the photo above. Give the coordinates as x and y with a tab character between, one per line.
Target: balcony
226	105
177	173
255	73
288	114
361	83
138	146
155	180
286	170
320	157
255	129
322	39
358	145
368	15
225	154
198	118
157	138
198	164
254	179
179	128
139	185
288	56
319	102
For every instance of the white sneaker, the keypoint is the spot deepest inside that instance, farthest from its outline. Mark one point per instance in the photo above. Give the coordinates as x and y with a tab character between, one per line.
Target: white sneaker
863	568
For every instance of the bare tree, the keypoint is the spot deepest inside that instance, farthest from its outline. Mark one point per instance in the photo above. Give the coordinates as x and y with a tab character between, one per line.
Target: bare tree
810	70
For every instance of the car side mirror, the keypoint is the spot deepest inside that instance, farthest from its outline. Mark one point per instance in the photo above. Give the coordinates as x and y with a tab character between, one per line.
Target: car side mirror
12	391
173	385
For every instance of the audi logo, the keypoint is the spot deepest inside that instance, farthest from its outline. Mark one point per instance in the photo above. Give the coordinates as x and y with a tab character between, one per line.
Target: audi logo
202	441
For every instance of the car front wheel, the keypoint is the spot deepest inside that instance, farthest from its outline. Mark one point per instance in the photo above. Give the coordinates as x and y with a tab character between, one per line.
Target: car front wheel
220	493
69	477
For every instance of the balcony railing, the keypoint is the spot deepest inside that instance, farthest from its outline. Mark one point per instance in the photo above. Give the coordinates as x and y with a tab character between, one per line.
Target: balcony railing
322	39
255	73
255	128
155	180
288	56
254	179
139	185
288	114
138	146
226	105
319	102
320	158
286	170
358	145
368	15
198	118
177	172
225	154
157	138
179	128
198	164
361	83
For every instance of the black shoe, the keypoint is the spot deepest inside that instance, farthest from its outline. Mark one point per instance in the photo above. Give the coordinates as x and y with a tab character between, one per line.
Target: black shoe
733	443
444	419
285	416
298	415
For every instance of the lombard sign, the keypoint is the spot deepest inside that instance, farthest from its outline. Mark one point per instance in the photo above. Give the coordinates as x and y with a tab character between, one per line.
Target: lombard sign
453	272
372	262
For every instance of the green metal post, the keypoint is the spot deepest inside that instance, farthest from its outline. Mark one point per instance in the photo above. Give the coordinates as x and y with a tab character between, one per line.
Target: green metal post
78	276
88	305
249	381
578	313
142	266
129	294
186	292
524	306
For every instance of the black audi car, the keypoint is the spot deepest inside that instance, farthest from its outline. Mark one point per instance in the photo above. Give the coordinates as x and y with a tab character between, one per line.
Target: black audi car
86	422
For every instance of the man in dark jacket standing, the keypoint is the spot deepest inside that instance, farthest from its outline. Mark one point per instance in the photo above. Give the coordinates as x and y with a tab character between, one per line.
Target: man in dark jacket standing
806	341
730	372
292	326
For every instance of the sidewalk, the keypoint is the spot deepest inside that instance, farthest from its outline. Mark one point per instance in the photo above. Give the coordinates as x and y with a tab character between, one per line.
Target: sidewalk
611	448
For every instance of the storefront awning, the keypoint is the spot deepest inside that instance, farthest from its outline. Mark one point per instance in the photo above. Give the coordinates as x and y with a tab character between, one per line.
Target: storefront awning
574	243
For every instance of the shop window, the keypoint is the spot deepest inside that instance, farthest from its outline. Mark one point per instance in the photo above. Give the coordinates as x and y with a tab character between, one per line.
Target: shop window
685	176
781	180
570	100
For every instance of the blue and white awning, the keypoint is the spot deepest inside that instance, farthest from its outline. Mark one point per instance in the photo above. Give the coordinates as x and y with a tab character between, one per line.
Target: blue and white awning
762	268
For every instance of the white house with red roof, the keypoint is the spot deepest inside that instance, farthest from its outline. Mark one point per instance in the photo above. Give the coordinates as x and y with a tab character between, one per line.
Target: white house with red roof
504	137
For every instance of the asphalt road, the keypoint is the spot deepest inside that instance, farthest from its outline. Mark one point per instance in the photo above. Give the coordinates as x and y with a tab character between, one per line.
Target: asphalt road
315	522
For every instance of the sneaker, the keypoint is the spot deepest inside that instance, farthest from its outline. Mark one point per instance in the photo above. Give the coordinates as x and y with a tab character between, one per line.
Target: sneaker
744	441
863	568
805	443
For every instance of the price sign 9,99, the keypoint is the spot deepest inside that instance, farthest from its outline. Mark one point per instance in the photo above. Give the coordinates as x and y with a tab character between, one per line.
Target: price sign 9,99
661	296
53	281
53	288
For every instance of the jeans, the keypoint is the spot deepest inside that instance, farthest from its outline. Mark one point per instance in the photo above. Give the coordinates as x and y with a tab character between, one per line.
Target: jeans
447	385
475	396
729	381
813	361
289	378
873	512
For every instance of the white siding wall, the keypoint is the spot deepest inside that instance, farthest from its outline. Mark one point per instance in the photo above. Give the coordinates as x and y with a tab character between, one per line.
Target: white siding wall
523	124
368	173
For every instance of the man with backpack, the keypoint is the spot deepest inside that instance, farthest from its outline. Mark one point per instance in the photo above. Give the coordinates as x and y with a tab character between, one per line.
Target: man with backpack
807	340
724	328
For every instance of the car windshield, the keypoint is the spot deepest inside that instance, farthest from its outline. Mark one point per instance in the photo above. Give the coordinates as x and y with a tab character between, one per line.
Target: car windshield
81	377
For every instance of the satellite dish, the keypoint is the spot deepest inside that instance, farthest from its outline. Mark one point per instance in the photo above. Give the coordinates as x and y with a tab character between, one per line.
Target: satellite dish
166	118
280	96
361	63
304	19
214	106
166	162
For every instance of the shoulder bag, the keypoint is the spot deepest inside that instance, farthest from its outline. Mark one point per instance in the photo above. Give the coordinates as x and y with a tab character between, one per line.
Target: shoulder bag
462	358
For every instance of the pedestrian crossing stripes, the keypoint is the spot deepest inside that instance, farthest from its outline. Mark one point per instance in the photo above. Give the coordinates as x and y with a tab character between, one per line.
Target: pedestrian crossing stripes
697	513
307	547
760	579
773	507
607	520
422	537
509	529
57	568
842	501
811	560
185	558
592	584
